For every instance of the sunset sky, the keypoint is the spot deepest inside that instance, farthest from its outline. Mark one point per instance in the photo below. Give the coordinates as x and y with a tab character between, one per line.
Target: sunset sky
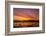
25	14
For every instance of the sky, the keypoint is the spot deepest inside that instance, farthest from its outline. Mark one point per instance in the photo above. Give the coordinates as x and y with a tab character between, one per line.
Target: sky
25	14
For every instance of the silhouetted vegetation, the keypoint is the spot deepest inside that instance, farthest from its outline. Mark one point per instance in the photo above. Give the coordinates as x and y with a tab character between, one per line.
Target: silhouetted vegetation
26	21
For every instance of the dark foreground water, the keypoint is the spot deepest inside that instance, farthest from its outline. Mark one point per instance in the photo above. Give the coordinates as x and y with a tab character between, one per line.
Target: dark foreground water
26	24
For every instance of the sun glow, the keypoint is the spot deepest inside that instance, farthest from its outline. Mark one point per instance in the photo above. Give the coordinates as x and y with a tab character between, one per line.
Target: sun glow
21	18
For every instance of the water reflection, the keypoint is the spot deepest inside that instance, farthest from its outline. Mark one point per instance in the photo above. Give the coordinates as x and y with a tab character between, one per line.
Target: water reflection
18	24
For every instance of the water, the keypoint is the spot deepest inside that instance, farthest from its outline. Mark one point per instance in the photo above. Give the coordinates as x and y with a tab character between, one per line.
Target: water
26	24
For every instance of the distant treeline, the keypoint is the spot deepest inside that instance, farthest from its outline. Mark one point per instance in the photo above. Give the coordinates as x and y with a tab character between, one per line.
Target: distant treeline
26	21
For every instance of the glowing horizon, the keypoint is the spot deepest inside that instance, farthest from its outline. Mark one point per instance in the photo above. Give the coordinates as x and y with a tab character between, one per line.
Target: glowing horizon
21	18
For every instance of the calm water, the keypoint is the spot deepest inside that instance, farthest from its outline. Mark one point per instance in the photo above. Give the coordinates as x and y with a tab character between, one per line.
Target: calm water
26	24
